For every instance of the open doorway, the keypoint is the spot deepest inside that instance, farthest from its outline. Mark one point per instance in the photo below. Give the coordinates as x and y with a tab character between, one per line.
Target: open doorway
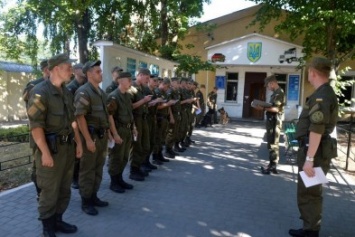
254	89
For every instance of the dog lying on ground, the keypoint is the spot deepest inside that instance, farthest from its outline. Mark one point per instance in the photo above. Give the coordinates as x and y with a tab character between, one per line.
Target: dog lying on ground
223	117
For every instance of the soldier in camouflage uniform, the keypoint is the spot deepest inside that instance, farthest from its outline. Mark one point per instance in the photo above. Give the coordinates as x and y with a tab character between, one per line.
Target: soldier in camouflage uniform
200	97
172	137
316	122
186	101
92	116
273	123
79	80
53	127
192	115
152	119
114	84
164	116
122	127
141	145
25	97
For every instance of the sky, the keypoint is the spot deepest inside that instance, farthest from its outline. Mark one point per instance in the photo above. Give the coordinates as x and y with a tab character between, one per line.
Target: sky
219	8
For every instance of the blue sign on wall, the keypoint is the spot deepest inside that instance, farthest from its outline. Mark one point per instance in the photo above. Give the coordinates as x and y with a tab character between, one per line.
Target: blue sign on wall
220	82
293	87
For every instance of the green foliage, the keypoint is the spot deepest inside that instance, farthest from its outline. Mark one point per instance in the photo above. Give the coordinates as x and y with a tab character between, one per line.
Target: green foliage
17	134
135	24
192	64
326	26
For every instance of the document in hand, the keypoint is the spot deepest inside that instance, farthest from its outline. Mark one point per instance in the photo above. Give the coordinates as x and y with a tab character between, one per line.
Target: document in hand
198	111
256	103
319	178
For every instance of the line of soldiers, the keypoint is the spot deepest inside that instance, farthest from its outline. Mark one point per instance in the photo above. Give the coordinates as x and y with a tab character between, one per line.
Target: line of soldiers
73	123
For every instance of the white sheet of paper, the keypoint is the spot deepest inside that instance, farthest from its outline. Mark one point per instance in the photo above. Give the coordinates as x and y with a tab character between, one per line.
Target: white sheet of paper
111	143
319	178
198	111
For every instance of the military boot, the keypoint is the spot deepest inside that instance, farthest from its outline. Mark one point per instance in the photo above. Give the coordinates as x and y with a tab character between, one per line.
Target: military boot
297	233
64	227
122	183
97	201
169	153
161	157
135	174
49	226
177	148
148	164
271	168
156	159
87	206
114	186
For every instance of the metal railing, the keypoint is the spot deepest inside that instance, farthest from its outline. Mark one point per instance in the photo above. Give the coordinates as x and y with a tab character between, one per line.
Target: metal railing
347	133
14	151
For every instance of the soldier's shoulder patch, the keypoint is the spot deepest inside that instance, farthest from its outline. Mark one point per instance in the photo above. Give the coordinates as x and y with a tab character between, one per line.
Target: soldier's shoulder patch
319	99
317	117
84	101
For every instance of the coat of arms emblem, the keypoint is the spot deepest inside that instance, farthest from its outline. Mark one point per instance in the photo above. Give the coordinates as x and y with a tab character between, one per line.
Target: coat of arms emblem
254	51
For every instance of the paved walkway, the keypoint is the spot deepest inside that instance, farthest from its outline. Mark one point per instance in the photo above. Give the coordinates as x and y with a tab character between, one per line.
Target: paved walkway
214	189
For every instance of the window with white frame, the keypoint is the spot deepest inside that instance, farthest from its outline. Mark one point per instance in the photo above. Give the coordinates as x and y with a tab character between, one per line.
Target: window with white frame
131	66
231	86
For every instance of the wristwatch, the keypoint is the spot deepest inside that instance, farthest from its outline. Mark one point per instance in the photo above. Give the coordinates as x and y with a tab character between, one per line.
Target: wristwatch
311	159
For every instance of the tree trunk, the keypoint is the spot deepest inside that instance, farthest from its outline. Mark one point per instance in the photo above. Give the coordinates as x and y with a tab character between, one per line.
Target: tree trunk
83	25
164	22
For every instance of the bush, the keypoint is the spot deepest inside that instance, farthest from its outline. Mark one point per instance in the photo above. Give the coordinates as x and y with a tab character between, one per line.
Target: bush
17	134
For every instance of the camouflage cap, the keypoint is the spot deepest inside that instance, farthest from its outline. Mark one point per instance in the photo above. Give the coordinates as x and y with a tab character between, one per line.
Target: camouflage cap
90	64
124	75
322	65
59	59
144	71
160	79
175	79
43	64
270	79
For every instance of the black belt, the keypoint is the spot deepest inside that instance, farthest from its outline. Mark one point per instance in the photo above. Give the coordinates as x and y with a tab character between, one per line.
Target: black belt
127	125
65	138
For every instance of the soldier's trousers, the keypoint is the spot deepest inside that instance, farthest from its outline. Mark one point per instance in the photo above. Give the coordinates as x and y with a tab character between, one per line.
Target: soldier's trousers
183	125
273	130
55	181
91	167
141	147
192	119
119	154
152	124
172	135
160	133
310	200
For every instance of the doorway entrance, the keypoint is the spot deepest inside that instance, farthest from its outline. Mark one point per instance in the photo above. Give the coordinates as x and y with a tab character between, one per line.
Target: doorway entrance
253	89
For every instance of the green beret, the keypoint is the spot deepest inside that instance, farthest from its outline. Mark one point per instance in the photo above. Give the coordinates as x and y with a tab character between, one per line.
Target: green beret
166	81
175	79
183	79
59	59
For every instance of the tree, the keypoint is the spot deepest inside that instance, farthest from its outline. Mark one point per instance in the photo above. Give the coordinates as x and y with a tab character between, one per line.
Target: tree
326	26
133	23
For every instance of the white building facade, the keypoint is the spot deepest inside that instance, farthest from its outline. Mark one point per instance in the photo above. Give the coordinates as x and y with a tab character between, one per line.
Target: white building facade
243	63
130	60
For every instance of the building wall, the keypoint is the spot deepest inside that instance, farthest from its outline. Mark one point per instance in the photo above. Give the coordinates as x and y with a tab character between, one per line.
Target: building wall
11	88
115	55
233	26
